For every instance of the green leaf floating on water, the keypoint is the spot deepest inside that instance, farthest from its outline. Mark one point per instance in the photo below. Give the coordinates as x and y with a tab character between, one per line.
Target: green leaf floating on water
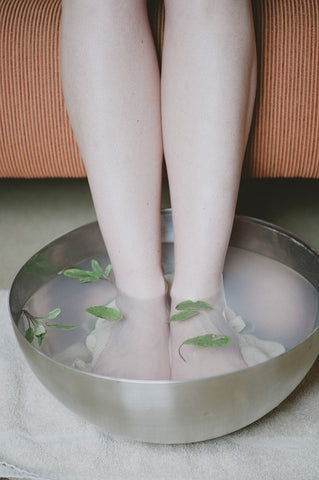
208	340
107	313
51	315
190	305
107	271
37	326
189	309
85	276
96	267
177	317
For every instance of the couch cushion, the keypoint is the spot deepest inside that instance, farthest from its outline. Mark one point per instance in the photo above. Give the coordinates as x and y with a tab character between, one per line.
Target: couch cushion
284	139
36	139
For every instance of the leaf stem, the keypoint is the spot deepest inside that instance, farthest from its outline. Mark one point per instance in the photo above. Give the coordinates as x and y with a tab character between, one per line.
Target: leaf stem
180	353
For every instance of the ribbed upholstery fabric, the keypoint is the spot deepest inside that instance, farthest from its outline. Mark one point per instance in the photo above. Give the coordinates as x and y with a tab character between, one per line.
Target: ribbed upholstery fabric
36	139
284	139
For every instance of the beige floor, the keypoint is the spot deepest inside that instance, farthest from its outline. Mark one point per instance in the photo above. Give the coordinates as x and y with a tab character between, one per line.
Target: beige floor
33	212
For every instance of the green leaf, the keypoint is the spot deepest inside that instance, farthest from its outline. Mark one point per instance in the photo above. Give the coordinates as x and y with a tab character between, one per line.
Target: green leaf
190	305
39	330
51	315
61	326
40	338
83	276
108	313
107	271
88	279
29	334
208	340
96	267
177	317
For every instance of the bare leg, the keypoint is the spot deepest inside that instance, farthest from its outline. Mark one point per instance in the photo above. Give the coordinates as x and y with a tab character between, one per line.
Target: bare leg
208	88
112	90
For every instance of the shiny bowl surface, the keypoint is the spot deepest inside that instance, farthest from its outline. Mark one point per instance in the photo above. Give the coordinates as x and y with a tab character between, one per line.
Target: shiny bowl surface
170	411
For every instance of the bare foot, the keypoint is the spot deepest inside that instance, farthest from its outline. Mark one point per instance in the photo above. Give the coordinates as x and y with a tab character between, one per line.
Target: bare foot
138	345
197	361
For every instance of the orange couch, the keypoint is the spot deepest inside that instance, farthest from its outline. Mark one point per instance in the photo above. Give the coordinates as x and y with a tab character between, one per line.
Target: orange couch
36	139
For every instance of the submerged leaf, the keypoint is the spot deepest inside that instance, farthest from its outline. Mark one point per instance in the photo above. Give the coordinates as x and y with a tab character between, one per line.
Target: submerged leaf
208	340
107	313
177	317
190	305
61	326
40	338
39	330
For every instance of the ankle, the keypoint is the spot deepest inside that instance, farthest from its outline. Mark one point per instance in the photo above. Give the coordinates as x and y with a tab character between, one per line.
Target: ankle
197	291
147	288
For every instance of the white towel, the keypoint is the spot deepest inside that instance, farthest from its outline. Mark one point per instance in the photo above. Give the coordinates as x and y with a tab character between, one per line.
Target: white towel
41	439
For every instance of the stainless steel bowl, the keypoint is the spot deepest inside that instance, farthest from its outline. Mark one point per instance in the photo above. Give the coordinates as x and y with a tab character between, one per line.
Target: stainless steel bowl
170	411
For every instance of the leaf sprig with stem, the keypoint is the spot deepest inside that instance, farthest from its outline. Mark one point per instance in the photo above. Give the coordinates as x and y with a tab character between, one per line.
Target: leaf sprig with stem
189	309
37	326
85	276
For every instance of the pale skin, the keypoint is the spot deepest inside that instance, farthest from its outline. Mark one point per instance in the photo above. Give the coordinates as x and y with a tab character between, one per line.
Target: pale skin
124	116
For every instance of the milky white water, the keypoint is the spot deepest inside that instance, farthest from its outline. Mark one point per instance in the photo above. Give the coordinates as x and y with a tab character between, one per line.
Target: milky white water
276	303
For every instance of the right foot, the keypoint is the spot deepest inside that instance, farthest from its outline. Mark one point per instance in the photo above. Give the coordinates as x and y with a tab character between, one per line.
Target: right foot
138	346
203	361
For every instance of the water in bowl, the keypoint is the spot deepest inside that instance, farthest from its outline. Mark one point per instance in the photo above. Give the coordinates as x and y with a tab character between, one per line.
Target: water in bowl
275	302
